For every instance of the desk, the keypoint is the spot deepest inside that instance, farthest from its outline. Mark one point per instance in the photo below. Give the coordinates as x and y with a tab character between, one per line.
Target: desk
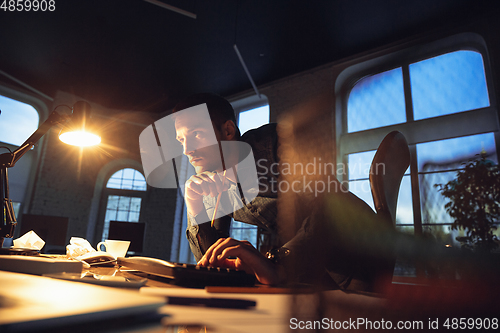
269	315
28	301
34	303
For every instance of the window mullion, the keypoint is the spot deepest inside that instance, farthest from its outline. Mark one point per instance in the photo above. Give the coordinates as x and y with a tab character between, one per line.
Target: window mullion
415	191
407	91
415	185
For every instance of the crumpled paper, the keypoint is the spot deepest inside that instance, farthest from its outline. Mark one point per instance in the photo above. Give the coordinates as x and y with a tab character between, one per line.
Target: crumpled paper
78	246
29	240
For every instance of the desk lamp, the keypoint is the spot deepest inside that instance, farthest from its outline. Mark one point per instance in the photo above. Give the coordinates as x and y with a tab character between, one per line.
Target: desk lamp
77	130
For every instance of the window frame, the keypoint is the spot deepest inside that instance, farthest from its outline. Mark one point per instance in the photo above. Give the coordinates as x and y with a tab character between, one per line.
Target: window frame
43	113
239	106
108	191
248	103
416	131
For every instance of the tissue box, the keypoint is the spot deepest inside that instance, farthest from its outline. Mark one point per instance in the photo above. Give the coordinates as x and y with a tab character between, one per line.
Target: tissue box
38	265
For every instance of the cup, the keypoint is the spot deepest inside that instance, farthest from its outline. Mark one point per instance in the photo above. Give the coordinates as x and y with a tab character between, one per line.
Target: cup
117	248
7	242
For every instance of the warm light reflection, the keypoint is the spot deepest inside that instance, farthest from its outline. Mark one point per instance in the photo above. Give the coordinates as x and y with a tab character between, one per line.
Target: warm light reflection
80	138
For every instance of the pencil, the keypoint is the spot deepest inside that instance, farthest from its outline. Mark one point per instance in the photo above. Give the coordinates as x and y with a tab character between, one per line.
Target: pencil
218	198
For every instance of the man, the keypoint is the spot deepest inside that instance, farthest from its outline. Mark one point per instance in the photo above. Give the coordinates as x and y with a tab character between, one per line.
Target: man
314	254
211	245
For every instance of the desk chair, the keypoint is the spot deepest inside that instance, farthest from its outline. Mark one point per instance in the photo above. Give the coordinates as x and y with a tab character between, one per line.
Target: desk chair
386	173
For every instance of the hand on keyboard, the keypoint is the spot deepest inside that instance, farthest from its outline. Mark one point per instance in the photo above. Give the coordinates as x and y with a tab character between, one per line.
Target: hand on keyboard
187	274
248	258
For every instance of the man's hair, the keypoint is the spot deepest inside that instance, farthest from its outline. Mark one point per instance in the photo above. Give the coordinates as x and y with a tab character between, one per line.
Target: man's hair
219	109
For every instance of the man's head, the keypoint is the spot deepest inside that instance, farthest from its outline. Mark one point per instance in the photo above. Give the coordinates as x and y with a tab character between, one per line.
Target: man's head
199	136
219	108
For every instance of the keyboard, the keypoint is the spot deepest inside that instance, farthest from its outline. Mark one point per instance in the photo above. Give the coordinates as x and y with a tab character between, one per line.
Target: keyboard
187	275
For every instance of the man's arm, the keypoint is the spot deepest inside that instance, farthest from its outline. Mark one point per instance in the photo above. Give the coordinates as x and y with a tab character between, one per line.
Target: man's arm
247	257
200	233
306	254
201	236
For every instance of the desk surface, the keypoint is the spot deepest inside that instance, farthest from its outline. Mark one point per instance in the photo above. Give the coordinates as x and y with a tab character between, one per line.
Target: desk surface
269	314
28	301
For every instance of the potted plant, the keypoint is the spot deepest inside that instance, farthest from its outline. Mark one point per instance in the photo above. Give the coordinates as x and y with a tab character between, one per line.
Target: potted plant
475	203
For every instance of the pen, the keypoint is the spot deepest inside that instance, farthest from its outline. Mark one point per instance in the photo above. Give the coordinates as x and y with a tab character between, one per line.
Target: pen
218	198
228	303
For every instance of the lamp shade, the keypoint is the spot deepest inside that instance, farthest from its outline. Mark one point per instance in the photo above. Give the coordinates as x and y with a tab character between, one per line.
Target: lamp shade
79	130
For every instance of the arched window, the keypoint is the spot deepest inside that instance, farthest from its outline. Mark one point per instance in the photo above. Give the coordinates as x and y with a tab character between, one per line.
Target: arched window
444	106
18	121
124	192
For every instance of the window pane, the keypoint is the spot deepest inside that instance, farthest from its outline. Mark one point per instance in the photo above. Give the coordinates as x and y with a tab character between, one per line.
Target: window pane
253	118
405	229
18	121
449	83
115	180
359	165
110	215
122	215
376	101
17	207
118	174
244	231
361	188
133	217
404	210
127	179
139	183
438	162
113	202
359	184
127	184
124	203
443	234
121	208
128	173
445	154
247	120
135	204
431	201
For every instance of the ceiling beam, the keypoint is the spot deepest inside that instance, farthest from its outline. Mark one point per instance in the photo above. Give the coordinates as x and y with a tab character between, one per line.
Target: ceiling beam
172	8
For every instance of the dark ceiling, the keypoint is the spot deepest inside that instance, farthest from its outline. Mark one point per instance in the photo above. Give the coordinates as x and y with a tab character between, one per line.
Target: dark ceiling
134	55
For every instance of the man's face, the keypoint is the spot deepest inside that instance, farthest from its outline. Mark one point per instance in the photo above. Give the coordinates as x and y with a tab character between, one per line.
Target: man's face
199	141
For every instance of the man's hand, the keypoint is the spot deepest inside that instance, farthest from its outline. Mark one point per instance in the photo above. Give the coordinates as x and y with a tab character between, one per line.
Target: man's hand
247	258
199	185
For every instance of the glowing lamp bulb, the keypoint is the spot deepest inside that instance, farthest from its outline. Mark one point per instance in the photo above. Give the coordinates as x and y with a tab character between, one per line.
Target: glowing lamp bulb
80	138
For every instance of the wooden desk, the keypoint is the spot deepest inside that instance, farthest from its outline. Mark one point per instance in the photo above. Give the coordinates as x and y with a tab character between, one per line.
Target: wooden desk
27	300
30	303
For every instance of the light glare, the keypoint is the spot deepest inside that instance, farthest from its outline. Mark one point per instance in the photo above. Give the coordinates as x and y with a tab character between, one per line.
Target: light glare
80	138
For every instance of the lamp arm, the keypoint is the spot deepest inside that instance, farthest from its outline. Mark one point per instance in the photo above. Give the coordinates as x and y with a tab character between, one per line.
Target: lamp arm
8	160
